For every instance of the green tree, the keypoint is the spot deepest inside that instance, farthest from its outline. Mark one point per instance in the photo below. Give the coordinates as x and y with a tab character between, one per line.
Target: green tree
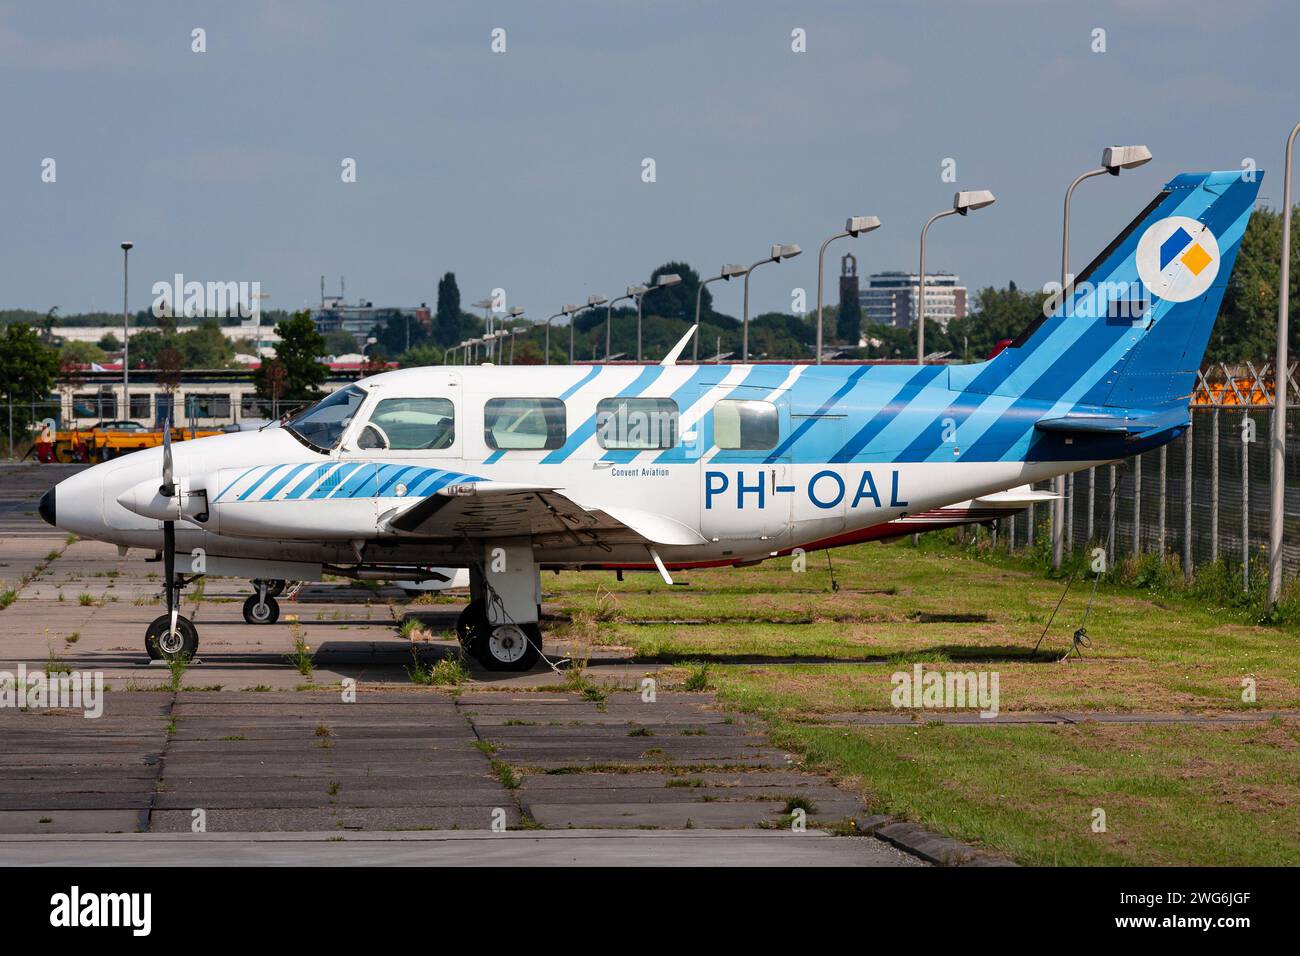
205	347
298	356
340	342
447	318
28	368
427	354
1246	329
678	301
80	353
110	342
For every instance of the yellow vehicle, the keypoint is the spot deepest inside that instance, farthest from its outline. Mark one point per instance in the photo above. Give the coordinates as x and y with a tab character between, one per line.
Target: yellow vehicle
106	440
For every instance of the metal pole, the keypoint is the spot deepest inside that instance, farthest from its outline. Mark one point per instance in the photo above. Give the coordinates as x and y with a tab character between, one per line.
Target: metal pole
1110	534
609	320
638	325
920	287
1092	501
572	325
744	329
1058	506
1187	503
126	334
1245	507
1281	363
1214	485
1164	485
1069	513
821	254
1137	505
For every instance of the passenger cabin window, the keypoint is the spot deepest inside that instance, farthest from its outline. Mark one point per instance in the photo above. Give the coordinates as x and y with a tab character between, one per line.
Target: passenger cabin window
322	425
745	425
636	423
524	423
410	424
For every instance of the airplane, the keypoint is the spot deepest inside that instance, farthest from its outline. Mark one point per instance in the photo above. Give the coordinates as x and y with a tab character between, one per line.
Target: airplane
509	472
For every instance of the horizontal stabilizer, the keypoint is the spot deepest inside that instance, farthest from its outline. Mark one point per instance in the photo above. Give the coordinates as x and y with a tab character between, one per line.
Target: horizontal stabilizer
1091	425
1019	497
1132	424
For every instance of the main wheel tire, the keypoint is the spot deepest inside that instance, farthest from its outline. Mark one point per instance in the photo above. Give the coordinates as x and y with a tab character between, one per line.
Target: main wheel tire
471	625
163	645
256	612
509	647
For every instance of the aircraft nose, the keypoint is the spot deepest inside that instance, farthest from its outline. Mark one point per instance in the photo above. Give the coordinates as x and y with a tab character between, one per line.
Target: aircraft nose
46	507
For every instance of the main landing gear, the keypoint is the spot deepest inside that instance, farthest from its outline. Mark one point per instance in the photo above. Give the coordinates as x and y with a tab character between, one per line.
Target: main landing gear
501	647
262	607
499	627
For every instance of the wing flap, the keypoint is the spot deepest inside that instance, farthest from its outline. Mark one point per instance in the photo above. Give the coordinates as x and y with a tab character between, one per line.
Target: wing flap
498	509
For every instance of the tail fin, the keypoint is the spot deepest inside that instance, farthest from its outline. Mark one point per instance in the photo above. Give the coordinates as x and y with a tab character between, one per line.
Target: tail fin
1131	330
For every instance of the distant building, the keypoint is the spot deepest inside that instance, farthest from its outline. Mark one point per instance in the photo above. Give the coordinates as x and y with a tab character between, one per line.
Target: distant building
361	318
890	298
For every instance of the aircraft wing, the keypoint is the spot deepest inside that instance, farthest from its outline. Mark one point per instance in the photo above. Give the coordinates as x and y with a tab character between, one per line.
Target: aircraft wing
501	509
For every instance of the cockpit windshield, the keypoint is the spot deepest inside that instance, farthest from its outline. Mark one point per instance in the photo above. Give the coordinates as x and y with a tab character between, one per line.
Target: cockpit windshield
322	426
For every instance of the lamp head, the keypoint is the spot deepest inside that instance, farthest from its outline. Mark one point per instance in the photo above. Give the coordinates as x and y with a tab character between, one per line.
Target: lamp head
857	225
1115	158
970	199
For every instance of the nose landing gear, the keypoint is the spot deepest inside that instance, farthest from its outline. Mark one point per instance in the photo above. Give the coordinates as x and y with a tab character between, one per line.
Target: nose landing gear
172	636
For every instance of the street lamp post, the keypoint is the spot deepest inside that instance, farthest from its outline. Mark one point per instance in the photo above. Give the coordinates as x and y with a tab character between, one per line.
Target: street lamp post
855	226
728	273
1281	380
661	282
609	317
515	313
567	310
779	252
592	302
962	203
1113	159
126	335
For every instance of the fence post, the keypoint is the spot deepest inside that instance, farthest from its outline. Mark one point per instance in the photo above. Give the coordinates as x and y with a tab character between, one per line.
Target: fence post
1246	423
1137	505
1187	503
1164	493
1069	513
1110	533
1214	485
1092	499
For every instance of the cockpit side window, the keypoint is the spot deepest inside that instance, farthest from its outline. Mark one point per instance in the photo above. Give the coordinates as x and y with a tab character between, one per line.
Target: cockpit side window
322	426
410	424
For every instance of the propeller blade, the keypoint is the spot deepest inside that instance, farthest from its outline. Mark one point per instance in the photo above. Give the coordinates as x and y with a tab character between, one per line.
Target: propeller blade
168	486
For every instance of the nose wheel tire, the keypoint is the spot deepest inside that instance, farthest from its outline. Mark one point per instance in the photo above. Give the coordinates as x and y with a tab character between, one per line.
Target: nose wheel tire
504	647
164	644
258	611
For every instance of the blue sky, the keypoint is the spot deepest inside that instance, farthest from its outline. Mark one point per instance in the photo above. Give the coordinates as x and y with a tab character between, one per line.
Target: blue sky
522	170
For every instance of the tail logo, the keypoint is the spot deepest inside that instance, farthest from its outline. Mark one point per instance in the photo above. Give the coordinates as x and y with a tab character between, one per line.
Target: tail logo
1178	259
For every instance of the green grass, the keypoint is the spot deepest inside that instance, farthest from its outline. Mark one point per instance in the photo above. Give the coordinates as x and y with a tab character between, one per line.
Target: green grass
784	646
447	672
1173	795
